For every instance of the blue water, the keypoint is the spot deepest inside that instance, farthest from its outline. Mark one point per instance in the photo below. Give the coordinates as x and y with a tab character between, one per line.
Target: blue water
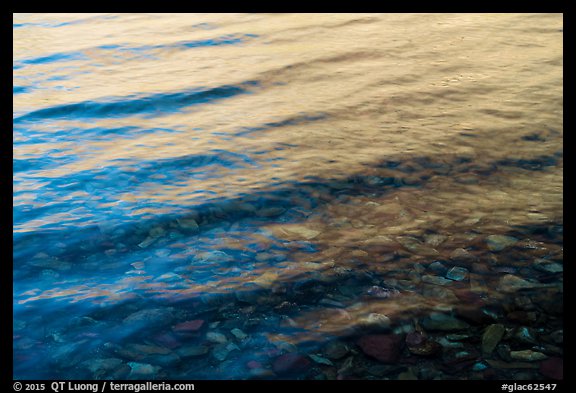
266	173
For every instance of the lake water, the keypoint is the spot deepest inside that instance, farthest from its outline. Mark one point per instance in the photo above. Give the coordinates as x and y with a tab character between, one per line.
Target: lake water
288	196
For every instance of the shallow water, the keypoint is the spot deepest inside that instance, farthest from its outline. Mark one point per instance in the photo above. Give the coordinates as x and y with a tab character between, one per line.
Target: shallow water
308	179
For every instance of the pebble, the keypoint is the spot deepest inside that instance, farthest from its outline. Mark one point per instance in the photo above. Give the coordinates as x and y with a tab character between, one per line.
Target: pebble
253	364
500	242
438	267
152	317
461	254
491	337
188	326
416	246
458	336
439	292
385	348
302	231
381	240
336	350
215	257
511	283
290	363
435	280
525	335
146	242
168	340
217	338
527	355
548	267
143	370
419	344
239	334
480	366
434	240
375	320
457	273
189	225
382	293
221	351
443	322
266	280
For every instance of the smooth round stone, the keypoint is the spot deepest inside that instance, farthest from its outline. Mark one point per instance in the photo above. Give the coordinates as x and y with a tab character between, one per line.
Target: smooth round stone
457	273
527	355
375	320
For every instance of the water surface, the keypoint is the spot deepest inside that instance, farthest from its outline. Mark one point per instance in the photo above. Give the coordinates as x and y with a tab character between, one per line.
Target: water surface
303	179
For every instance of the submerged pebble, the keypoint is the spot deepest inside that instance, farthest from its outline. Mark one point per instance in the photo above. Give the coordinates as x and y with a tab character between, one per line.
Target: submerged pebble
491	337
385	348
527	355
500	242
290	363
457	273
216	337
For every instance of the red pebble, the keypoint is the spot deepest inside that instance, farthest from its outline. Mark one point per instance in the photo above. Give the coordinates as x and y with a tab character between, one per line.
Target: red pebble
290	363
253	364
188	326
385	348
168	340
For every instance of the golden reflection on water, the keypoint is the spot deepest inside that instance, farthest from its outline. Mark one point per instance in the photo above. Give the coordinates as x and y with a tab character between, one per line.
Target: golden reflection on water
388	87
